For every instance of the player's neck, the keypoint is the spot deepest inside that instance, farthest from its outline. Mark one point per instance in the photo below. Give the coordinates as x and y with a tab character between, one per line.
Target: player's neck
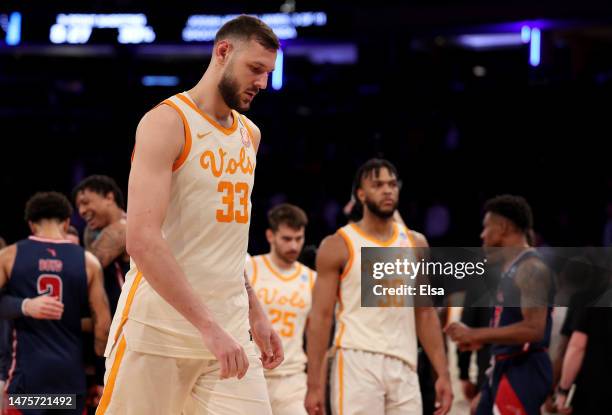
280	263
208	99
380	228
48	230
115	214
513	248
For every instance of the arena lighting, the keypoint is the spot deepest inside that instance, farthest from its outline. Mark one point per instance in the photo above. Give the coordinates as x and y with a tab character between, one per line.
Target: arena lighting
13	29
535	47
76	28
277	74
204	27
490	40
160	80
525	34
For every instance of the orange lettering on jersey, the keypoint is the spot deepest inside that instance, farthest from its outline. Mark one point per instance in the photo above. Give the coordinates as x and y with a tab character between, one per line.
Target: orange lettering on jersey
212	161
208	160
274	297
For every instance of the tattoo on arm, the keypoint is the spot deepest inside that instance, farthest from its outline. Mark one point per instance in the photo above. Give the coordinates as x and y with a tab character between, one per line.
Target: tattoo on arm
110	244
534	281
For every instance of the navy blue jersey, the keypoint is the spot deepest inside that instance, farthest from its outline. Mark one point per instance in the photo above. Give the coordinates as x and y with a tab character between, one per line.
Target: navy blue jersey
509	293
47	354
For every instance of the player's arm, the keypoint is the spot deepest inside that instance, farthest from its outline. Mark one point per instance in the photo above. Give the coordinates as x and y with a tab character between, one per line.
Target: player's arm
533	279
159	142
332	257
263	334
110	244
429	332
98	302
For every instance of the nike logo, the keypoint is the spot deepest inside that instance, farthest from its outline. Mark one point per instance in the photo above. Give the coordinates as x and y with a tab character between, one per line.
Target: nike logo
202	135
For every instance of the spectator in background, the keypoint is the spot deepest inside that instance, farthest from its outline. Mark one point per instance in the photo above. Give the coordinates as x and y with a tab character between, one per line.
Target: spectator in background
99	202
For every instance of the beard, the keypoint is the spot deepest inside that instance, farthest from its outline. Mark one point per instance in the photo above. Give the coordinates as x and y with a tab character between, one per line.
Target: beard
378	212
229	90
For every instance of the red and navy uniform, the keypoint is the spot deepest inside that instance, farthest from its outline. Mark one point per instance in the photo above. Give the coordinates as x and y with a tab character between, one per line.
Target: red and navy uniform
521	375
47	354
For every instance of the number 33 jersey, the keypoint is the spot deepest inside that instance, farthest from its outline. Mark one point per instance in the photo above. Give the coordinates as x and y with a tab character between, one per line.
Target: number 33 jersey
287	298
206	227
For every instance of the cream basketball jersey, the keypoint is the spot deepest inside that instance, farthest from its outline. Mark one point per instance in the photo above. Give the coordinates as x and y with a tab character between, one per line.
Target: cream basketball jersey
206	227
387	330
287	299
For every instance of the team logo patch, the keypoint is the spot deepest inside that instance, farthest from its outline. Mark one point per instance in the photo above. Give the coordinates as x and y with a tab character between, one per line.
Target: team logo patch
304	277
245	137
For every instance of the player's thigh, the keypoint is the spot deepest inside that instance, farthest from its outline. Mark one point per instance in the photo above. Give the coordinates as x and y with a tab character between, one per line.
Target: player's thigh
211	395
140	383
403	394
356	383
287	394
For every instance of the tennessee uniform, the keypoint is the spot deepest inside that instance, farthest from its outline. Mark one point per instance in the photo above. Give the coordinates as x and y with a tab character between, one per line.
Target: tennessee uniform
375	348
206	227
287	298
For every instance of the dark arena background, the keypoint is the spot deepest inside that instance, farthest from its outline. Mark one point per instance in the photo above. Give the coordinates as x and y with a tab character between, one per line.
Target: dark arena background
468	99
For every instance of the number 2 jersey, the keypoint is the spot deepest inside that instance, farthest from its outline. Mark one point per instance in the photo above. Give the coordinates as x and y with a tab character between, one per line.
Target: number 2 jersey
206	228
287	298
47	354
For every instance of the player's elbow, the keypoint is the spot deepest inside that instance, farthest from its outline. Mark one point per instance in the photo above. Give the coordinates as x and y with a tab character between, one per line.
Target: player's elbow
136	244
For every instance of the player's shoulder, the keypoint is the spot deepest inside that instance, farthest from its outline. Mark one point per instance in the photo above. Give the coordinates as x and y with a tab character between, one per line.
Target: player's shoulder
161	118
8	254
419	239
91	261
253	129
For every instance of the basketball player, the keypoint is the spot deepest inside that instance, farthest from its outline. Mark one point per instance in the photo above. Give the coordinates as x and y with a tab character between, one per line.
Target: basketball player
374	369
521	376
284	287
186	309
99	202
47	354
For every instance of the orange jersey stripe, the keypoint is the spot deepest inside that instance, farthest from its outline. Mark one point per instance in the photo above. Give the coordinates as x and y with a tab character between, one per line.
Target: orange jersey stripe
226	131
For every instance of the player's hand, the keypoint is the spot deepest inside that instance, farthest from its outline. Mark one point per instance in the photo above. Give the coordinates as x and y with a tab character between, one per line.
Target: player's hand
469	389
94	394
44	307
560	404
315	401
230	354
268	342
444	395
549	405
460	333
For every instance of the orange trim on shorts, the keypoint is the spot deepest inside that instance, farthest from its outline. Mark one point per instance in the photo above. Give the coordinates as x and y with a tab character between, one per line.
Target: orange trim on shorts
349	245
268	264
372	239
254	277
245	121
214	123
340	383
187	147
112	377
128	304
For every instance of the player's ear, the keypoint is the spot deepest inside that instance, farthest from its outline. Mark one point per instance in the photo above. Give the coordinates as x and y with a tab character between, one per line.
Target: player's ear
222	50
269	235
360	195
66	225
31	226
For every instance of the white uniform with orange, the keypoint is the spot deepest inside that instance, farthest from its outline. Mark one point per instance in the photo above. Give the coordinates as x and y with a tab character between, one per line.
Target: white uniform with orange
375	363
157	360
287	298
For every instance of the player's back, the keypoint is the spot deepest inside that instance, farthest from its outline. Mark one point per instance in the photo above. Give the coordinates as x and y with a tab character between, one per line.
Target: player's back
47	354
